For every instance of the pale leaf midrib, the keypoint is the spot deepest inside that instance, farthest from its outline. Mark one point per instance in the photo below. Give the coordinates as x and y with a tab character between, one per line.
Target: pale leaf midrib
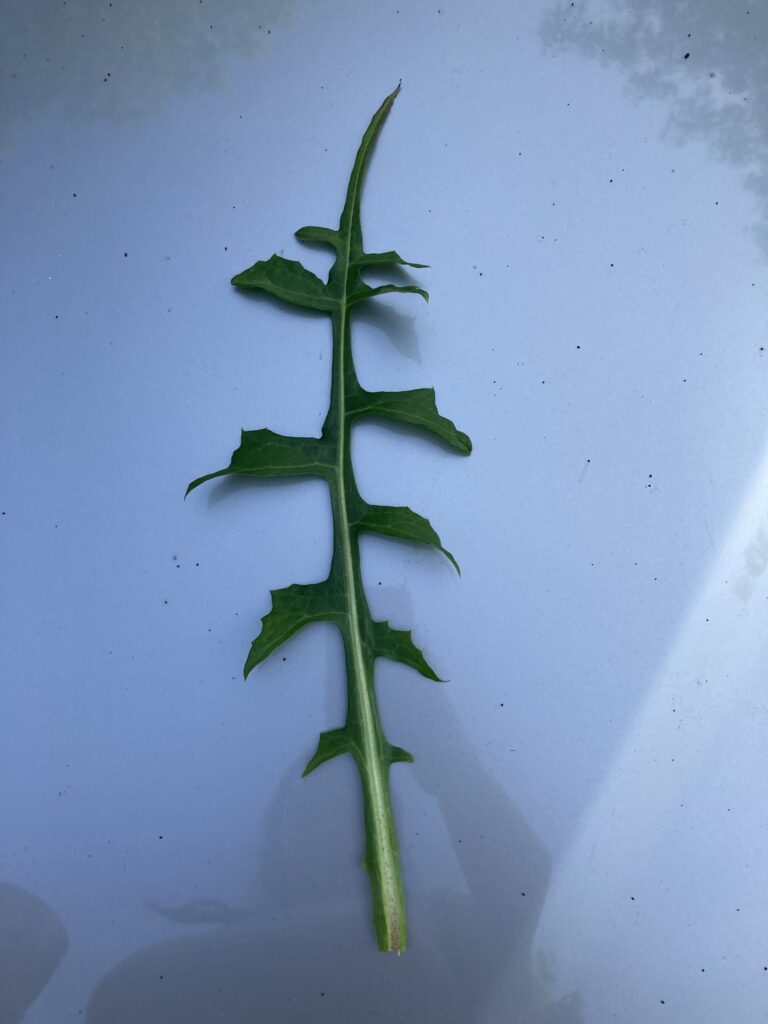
371	765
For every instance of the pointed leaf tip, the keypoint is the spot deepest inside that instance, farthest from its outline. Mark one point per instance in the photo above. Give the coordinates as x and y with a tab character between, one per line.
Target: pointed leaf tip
402	522
397	754
330	745
365	291
397	645
265	453
349	225
319	236
373	259
417	408
293	608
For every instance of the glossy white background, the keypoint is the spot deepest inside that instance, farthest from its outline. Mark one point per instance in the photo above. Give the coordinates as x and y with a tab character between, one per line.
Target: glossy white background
583	832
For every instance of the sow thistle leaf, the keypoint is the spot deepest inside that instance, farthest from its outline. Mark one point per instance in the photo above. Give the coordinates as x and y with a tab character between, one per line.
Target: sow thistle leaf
397	645
341	598
401	521
293	608
287	280
416	407
265	453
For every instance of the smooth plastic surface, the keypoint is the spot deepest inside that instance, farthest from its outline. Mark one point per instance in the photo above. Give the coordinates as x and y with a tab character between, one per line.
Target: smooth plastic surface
583	832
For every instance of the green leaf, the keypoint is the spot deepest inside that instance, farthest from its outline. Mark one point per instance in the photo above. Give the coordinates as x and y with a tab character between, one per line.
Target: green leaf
365	291
265	453
288	280
330	744
341	598
397	645
416	407
401	521
293	608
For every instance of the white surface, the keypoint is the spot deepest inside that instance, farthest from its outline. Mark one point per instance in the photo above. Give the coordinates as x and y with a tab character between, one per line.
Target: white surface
596	234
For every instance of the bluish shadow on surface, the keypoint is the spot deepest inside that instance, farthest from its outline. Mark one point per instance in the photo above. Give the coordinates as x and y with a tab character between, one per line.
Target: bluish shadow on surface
398	327
33	941
301	947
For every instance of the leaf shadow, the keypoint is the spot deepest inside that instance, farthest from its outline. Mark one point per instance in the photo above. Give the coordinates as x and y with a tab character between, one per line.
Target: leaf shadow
300	947
392	273
398	327
33	941
414	551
